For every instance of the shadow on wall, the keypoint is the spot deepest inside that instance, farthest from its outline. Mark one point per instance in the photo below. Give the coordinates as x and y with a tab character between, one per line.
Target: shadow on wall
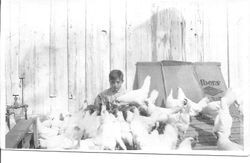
165	34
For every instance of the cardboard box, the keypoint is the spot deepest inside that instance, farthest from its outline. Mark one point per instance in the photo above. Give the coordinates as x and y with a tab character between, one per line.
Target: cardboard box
196	79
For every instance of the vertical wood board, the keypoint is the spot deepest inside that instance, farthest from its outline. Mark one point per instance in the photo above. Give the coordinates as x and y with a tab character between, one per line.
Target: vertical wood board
138	36
76	54
118	36
97	47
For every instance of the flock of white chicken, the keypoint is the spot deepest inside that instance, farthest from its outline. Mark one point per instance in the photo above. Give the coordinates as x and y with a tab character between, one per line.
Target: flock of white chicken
138	124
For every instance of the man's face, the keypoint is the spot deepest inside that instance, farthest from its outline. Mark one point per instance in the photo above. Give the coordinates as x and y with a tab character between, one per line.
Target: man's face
115	85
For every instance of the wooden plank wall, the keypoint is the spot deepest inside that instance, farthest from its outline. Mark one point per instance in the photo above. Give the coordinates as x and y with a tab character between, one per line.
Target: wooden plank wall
65	49
76	53
97	47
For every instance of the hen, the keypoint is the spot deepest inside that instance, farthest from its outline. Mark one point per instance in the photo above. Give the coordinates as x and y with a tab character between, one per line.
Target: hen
136	96
188	144
223	143
223	121
195	108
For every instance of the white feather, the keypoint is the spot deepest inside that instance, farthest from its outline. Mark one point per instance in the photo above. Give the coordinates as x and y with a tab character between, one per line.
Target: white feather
195	108
136	96
212	109
58	142
171	102
109	132
186	144
223	121
45	132
224	143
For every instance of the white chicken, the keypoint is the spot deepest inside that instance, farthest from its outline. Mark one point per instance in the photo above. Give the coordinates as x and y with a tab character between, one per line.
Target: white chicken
159	113
56	121
195	108
223	121
140	134
47	123
153	96
223	143
171	102
109	132
90	124
86	121
45	132
169	138
136	96
141	137
150	101
139	130
88	144
151	142
126	133
154	141
181	94
49	137
147	122
212	109
59	142
181	119
187	144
